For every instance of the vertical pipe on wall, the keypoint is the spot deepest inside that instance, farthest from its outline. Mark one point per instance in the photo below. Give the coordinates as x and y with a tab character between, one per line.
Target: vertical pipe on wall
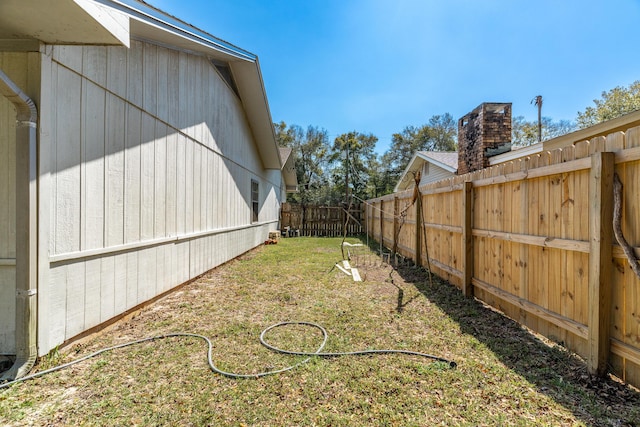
26	227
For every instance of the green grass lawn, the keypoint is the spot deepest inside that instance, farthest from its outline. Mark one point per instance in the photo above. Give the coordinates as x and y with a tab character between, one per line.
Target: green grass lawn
505	375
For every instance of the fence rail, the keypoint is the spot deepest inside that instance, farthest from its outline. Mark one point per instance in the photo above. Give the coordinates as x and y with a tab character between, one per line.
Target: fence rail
534	238
326	221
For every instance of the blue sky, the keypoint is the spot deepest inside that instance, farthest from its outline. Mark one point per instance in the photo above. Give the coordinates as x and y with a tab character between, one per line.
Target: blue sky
376	66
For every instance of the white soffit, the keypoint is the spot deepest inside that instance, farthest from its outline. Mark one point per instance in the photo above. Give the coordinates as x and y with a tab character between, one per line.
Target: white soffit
112	20
63	22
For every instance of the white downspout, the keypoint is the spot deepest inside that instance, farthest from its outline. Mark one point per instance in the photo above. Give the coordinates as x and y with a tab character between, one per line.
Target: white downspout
26	228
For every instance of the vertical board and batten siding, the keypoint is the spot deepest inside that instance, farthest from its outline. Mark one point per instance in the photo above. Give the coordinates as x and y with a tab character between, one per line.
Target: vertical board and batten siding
432	172
151	166
15	66
530	230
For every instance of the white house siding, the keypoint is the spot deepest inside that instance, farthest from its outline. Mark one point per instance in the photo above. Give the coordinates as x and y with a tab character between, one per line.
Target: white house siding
151	167
432	173
14	65
272	197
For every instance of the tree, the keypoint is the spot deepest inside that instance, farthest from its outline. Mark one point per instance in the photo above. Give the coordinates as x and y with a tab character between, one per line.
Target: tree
525	133
287	136
310	149
440	134
380	180
614	103
403	146
353	153
554	129
443	132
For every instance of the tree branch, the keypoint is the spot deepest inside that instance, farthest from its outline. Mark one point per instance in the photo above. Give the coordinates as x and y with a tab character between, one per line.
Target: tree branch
617	228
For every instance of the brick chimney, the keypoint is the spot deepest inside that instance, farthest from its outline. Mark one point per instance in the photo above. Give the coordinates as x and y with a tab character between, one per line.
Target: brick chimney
483	133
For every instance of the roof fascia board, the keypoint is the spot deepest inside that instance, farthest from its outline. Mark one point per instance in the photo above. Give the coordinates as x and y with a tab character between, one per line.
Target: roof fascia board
157	18
272	131
289	172
410	167
256	105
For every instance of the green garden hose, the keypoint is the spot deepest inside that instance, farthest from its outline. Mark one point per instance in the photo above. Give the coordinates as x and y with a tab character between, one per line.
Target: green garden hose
214	368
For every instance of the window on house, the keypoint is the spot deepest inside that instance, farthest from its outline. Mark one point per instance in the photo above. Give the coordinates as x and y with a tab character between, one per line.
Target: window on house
255	200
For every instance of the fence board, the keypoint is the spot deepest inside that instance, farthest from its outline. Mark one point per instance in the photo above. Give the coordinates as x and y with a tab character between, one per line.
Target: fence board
324	221
528	244
629	296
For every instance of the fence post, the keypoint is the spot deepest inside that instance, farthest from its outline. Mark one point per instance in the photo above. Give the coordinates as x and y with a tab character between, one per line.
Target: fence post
600	265
467	238
303	221
381	227
396	213
368	216
373	221
419	229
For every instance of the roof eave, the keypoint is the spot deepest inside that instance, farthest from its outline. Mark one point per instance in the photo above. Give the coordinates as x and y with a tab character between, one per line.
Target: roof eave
410	168
254	99
416	162
289	174
64	22
197	40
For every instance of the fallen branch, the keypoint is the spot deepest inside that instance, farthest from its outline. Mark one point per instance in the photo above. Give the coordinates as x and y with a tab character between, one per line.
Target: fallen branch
617	228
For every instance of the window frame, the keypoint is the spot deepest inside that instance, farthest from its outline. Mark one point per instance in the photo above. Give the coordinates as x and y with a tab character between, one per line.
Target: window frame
255	200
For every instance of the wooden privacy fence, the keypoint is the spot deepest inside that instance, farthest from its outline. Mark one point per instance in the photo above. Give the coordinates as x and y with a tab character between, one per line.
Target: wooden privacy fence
327	221
534	238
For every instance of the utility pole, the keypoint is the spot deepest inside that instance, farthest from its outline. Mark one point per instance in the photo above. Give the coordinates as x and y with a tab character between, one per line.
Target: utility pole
538	102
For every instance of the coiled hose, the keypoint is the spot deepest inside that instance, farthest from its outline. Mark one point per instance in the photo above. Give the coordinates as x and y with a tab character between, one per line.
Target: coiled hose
214	368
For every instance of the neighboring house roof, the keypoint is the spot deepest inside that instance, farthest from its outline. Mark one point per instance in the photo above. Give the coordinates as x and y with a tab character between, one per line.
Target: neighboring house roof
115	22
443	159
446	160
289	169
